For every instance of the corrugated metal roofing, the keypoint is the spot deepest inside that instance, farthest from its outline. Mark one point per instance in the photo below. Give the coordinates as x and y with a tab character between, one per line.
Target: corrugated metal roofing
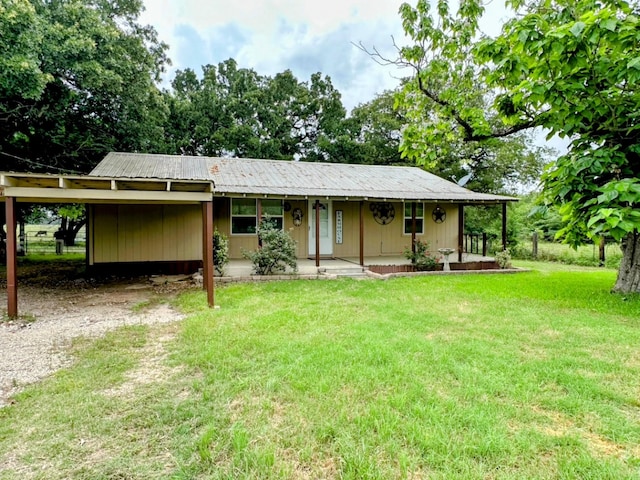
280	178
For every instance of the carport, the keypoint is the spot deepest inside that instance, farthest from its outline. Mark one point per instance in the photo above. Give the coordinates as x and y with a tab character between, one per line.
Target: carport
43	188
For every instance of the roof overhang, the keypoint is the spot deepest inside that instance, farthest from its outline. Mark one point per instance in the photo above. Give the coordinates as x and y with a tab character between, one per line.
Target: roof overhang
44	188
475	199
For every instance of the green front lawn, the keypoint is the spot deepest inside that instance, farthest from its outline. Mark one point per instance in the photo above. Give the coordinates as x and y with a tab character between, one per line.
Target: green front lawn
532	375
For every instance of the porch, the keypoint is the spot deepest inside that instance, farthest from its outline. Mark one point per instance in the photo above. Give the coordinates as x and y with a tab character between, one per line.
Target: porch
348	266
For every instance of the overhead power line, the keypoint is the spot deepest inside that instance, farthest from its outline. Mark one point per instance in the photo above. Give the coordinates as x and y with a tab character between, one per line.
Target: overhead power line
32	162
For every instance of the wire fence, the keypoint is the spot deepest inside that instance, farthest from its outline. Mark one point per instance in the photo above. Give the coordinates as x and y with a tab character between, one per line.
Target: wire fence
40	240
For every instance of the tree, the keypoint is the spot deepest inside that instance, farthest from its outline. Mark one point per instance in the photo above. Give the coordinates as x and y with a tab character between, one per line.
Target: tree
371	134
497	165
78	80
569	66
233	111
20	41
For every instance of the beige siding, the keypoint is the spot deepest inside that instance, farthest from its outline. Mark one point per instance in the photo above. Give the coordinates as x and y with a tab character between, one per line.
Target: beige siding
299	234
350	246
445	234
379	240
238	243
222	221
145	233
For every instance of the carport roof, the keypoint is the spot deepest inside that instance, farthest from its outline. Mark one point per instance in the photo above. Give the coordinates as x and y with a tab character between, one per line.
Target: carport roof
42	188
278	178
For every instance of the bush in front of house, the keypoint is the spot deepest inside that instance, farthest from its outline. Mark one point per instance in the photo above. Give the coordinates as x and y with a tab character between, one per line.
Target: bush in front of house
503	258
220	251
278	250
422	259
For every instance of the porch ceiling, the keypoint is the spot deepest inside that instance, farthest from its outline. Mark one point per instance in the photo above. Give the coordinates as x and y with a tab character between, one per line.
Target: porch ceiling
43	188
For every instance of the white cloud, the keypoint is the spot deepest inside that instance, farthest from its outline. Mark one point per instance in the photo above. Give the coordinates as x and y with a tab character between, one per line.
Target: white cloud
273	35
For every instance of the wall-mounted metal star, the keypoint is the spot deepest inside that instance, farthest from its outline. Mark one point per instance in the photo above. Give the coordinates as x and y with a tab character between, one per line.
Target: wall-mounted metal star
438	214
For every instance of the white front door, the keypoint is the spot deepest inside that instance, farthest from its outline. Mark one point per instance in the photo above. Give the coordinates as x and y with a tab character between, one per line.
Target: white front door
326	227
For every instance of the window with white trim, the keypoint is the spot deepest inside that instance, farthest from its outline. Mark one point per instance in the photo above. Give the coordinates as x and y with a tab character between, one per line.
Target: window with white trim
408	221
244	212
274	210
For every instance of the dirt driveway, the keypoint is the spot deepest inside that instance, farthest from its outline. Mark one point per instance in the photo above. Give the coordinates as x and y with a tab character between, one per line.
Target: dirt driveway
51	317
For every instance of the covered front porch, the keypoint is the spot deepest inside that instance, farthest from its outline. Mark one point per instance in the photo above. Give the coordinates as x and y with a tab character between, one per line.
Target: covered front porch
348	266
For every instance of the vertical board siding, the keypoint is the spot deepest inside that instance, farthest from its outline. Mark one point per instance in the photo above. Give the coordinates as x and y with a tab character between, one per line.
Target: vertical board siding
379	239
299	234
144	233
105	237
390	239
350	246
441	235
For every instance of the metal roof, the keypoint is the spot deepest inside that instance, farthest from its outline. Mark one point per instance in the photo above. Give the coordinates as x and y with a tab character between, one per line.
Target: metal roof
281	178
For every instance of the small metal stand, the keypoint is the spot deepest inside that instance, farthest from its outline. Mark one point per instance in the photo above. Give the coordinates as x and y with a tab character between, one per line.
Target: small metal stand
446	252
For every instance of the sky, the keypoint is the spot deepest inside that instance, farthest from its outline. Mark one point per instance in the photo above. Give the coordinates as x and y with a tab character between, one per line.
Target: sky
304	36
271	36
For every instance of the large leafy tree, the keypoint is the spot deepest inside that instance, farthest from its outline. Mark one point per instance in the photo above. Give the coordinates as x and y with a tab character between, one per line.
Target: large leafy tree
237	112
78	79
570	66
370	134
373	132
20	42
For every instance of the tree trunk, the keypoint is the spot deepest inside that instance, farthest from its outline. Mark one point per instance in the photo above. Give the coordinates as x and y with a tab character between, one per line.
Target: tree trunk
71	229
629	273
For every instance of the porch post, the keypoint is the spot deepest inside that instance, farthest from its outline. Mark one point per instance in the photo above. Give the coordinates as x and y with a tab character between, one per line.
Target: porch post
362	233
259	219
413	227
460	230
207	251
504	226
317	207
12	263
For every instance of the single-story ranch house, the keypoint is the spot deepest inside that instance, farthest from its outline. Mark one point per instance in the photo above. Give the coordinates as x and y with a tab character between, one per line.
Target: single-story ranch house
160	210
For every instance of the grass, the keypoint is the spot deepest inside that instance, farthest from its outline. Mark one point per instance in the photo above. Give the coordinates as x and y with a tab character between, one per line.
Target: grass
532	375
585	255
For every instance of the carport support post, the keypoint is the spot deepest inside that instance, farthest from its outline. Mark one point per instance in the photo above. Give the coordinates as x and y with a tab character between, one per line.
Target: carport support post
207	251
12	263
361	233
460	231
317	207
504	226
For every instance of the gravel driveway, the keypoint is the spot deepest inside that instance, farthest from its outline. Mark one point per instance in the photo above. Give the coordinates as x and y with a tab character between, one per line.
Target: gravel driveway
37	345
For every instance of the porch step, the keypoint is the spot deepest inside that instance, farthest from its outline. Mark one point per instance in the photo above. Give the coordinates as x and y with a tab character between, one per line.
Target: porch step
356	271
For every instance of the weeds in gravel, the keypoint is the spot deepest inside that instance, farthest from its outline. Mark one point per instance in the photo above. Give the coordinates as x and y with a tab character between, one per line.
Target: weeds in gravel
21	319
508	376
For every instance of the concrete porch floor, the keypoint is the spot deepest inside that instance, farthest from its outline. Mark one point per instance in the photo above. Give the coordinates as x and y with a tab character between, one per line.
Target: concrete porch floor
244	268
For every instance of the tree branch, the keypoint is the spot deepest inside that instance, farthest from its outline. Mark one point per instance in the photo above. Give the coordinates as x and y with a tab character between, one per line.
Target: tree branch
469	132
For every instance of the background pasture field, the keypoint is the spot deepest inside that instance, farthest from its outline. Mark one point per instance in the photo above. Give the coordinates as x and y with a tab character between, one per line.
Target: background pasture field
585	255
40	240
528	375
